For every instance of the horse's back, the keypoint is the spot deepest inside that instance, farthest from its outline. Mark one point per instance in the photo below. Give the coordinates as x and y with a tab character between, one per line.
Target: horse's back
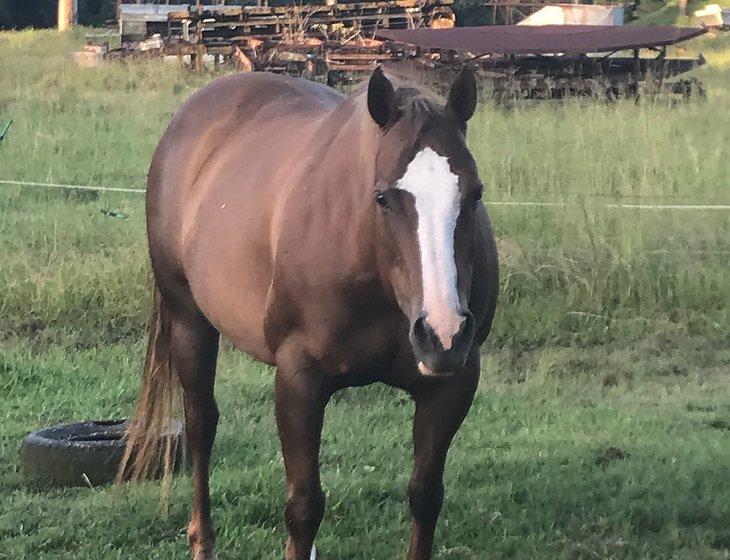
213	188
239	106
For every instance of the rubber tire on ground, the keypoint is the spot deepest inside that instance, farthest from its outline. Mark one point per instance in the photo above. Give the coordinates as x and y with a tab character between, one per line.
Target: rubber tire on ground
80	453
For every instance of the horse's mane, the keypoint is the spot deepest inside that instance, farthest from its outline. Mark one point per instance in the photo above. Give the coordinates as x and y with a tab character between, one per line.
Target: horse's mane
351	125
413	100
415	104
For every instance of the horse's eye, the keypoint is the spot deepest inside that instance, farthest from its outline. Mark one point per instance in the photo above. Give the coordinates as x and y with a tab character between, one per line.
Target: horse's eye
381	199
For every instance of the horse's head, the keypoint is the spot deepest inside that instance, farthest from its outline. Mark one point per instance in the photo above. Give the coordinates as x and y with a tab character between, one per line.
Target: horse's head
426	195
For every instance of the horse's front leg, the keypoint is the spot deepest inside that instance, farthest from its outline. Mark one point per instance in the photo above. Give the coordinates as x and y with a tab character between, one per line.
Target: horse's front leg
300	402
441	406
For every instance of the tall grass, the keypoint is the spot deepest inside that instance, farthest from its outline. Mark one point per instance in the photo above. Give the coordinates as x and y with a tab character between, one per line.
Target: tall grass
586	272
580	274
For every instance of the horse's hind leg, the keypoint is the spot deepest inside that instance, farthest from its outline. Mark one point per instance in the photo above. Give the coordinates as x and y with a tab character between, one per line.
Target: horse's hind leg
441	406
300	403
194	351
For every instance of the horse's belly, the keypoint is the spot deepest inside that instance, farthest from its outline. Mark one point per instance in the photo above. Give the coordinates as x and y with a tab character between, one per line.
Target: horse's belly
236	305
227	261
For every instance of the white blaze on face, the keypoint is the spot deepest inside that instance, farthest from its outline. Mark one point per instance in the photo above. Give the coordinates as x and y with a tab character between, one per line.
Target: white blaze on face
436	190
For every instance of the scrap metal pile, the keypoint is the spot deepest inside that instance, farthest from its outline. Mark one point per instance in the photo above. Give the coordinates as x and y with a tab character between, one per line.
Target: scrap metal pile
335	41
313	39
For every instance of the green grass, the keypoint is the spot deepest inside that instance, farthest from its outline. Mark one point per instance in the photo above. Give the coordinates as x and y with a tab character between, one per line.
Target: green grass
612	332
666	12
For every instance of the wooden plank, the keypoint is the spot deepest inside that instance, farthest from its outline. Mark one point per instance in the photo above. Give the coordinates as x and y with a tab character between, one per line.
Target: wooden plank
351	67
335	56
221	49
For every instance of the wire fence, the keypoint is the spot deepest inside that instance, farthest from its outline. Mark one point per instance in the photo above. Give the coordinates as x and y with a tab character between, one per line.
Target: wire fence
514	203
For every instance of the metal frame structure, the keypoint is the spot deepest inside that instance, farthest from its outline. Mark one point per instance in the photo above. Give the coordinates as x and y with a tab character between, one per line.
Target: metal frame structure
513	11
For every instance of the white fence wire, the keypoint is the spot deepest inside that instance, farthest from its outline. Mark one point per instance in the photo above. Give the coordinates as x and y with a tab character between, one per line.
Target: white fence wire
528	203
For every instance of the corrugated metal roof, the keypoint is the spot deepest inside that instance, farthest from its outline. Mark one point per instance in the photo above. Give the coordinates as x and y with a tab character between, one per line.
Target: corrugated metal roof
163	9
546	39
149	12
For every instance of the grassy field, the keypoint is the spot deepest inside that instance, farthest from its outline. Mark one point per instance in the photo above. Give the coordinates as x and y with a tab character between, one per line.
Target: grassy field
666	12
613	331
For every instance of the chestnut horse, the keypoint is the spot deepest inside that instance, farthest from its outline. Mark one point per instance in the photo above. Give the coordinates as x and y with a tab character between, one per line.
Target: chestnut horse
340	239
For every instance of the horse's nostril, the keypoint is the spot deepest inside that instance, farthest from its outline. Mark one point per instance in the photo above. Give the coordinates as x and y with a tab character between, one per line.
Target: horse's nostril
419	327
466	329
464	326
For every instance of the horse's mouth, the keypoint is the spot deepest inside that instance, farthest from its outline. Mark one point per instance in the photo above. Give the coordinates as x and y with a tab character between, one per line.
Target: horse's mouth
428	372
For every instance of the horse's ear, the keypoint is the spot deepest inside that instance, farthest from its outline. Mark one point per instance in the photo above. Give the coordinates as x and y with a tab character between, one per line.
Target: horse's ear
463	95
381	98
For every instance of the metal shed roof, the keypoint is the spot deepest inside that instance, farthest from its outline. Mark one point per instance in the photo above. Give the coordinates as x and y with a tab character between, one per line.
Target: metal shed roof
149	12
545	39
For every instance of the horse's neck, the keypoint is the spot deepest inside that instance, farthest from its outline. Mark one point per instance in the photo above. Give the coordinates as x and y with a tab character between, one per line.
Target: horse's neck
353	148
345	176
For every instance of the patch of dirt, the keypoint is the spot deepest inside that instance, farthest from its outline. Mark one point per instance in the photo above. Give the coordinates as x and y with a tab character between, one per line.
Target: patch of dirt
608	456
610	381
719	424
692	407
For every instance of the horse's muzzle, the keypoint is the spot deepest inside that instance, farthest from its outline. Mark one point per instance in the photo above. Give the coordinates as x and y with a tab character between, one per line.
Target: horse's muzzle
433	359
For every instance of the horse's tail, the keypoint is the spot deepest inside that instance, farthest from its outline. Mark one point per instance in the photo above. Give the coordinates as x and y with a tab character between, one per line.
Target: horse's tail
150	442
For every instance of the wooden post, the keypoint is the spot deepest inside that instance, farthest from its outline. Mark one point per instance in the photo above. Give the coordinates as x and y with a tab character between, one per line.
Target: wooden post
67	11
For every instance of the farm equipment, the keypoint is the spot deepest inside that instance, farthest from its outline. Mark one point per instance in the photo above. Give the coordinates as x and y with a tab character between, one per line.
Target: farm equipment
311	39
334	41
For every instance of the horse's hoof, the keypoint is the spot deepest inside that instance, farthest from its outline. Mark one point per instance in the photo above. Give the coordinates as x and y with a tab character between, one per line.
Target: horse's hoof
313	555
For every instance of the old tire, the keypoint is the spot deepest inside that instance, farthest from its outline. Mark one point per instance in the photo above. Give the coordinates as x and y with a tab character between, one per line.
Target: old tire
79	454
